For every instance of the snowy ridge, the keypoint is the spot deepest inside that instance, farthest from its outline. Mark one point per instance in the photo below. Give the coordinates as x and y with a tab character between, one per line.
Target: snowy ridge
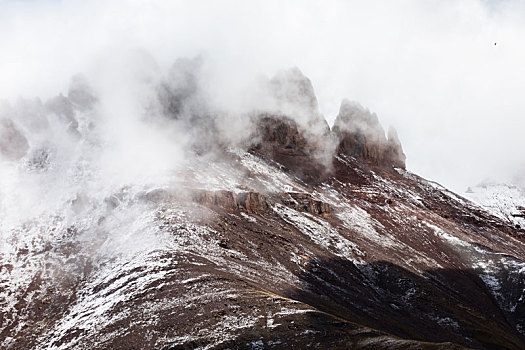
139	259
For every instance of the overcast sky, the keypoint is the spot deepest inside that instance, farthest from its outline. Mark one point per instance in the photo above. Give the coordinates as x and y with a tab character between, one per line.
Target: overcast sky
449	75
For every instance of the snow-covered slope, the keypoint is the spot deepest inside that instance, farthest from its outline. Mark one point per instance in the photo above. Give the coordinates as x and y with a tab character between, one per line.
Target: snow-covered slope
506	201
160	270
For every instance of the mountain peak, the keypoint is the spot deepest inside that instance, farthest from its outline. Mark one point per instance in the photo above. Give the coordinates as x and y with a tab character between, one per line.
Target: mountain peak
395	150
360	135
294	93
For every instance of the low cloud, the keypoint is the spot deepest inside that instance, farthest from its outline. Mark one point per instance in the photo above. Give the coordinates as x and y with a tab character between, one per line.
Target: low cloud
448	75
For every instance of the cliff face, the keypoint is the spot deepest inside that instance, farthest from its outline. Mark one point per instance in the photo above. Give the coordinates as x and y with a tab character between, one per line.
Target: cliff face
282	139
394	150
361	136
294	133
264	246
297	131
356	133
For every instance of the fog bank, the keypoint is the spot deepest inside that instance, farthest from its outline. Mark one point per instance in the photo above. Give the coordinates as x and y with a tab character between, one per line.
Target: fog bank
448	75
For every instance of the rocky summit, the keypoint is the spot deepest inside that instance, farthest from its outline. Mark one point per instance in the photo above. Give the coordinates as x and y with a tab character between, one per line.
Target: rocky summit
299	237
361	135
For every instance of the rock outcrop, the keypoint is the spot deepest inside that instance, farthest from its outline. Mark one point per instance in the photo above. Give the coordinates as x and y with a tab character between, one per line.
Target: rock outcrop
394	151
305	203
251	202
295	98
360	135
280	135
295	133
254	202
283	140
298	136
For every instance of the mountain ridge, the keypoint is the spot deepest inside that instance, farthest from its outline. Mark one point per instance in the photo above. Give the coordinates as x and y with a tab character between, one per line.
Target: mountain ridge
296	236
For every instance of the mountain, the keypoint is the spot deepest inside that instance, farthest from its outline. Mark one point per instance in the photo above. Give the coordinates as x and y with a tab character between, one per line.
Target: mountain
296	236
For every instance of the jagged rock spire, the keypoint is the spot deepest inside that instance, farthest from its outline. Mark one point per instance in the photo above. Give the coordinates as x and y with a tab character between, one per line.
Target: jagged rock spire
360	135
395	150
295	129
294	93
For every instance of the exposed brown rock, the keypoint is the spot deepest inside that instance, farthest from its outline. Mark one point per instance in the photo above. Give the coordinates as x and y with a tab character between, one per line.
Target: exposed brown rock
394	150
253	202
361	136
223	199
305	202
308	155
360	133
294	97
280	135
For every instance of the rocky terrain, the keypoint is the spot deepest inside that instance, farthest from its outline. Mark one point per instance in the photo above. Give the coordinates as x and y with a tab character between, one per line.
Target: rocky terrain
298	236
